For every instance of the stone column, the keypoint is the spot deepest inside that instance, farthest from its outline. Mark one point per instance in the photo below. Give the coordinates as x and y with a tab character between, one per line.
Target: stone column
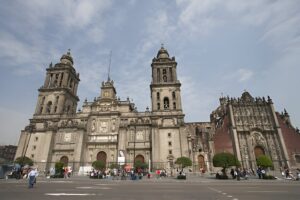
59	79
46	83
154	73
65	80
281	139
235	136
60	104
174	74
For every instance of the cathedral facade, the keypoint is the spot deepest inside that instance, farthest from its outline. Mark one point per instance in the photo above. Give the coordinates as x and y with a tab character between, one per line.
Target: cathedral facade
112	130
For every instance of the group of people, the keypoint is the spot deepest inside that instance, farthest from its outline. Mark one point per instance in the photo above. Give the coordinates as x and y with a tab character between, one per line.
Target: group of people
241	173
288	174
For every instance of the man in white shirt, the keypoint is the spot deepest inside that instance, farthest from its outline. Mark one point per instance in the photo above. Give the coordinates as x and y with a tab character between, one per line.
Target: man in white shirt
31	177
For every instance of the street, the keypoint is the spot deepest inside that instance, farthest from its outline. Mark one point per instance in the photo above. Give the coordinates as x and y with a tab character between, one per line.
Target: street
196	188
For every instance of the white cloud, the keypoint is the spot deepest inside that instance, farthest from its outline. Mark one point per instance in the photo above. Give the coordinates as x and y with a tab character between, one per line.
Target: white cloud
241	75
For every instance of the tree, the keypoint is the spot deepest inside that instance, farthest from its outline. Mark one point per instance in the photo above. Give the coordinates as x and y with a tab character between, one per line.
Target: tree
114	166
59	169
225	160
140	165
264	161
183	161
99	165
24	161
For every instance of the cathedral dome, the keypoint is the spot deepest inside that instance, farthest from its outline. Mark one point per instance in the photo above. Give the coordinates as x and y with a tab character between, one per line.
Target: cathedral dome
67	58
162	53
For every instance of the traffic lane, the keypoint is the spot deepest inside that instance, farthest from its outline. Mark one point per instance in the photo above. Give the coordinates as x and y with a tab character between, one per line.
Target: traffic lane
261	191
114	190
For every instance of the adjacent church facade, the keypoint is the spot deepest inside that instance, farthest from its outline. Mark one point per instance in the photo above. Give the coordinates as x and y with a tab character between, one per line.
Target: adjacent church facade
112	130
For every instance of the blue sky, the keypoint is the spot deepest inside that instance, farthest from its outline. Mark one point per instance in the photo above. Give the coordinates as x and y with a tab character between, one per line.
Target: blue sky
222	47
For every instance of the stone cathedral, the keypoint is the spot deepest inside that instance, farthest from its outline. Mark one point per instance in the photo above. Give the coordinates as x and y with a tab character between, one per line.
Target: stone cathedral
112	130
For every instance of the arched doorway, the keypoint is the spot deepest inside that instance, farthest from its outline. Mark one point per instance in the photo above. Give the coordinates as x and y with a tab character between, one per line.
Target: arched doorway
139	158
65	160
201	162
258	151
102	156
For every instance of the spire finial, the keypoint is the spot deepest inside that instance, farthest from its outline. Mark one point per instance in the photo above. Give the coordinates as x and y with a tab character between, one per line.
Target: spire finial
69	51
162	45
108	74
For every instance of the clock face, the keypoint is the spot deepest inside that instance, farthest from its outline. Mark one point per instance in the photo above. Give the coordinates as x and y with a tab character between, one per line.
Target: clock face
106	94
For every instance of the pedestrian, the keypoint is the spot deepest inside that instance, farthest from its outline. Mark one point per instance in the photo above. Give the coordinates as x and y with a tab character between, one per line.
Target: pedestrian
66	172
258	171
232	173
31	178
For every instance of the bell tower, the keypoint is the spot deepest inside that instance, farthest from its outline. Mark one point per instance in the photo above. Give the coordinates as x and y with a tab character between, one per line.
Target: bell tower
165	87
58	95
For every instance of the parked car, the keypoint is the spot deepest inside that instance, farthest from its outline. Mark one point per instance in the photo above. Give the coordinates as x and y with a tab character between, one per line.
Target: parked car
6	170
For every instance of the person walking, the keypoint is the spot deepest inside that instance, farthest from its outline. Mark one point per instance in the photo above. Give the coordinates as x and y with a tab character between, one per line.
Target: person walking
31	178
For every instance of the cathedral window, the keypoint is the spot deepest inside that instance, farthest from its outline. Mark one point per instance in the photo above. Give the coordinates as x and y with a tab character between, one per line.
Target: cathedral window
170	144
166	103
55	109
49	105
61	79
50	80
158	75
173	95
157	96
158	106
170	152
36	139
165	75
165	78
71	83
56	101
68	108
174	106
41	110
297	158
169	135
43	100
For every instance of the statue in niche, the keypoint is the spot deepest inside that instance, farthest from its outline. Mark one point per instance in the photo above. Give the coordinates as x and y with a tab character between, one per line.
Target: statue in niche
93	125
113	128
140	135
45	124
103	127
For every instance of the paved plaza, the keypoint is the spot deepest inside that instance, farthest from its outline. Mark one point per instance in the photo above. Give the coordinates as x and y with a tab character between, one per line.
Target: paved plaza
168	188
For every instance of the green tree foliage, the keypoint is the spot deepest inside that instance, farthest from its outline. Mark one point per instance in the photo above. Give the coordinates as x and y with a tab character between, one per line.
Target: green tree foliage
98	165
114	166
183	161
264	161
59	168
225	160
140	165
24	161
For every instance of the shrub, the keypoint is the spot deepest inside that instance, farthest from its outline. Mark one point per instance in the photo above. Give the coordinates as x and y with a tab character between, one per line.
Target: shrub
222	176
59	168
264	161
183	161
269	177
98	165
182	177
24	161
225	160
